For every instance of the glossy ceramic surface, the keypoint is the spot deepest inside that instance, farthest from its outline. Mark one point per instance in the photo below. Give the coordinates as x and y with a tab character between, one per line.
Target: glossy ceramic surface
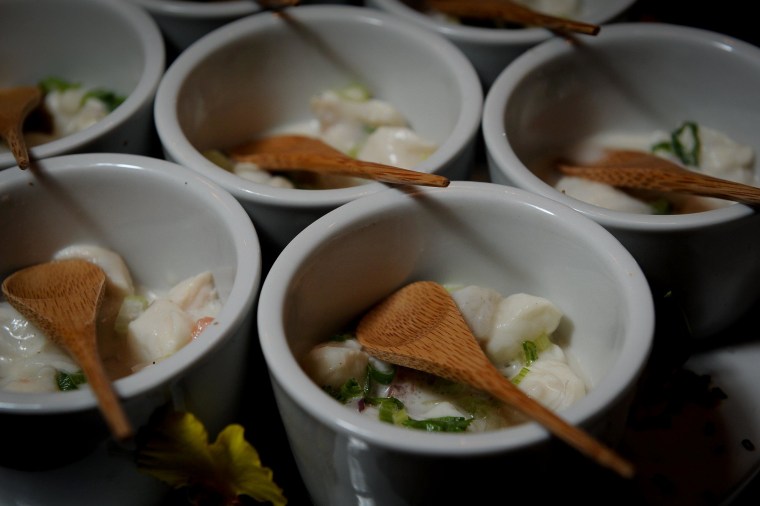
168	224
106	44
641	78
469	233
491	49
259	73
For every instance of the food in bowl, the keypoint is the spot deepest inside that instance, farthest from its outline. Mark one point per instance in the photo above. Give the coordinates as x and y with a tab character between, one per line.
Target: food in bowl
350	120
66	108
514	332
137	327
693	146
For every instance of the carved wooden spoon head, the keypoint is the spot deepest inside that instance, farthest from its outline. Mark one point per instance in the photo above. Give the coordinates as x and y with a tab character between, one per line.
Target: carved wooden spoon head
62	299
15	105
420	327
300	152
644	171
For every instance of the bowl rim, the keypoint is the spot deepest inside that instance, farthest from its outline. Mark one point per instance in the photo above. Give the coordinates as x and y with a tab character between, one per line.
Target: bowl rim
464	34
501	154
152	49
177	146
199	10
236	309
288	375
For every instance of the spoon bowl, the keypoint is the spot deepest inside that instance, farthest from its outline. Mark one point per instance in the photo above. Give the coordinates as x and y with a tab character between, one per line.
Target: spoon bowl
15	105
420	327
644	171
300	152
62	298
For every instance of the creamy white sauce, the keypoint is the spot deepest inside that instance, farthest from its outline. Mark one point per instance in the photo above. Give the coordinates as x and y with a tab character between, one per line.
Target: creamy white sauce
70	113
501	325
137	326
362	127
719	156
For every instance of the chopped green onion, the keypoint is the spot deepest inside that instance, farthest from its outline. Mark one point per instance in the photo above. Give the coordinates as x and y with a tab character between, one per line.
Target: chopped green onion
442	424
357	92
684	144
661	206
391	410
341	337
530	351
349	390
50	84
382	377
70	381
520	375
688	132
109	98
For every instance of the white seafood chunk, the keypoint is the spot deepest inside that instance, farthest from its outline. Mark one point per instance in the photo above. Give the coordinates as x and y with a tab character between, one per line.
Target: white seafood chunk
552	383
252	172
397	146
345	136
70	113
602	195
330	108
111	263
478	306
332	364
197	296
519	317
440	410
29	361
723	157
162	329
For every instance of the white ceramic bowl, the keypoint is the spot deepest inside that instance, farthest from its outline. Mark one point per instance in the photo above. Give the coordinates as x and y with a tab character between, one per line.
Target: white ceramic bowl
259	73
106	44
492	49
469	233
639	78
168	224
182	22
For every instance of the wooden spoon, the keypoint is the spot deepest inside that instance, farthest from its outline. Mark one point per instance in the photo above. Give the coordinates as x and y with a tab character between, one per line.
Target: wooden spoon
644	171
303	153
15	105
507	10
420	327
62	299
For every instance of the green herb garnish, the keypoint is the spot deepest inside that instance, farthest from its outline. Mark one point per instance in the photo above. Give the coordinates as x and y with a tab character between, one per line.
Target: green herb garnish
349	390
520	375
109	98
70	381
530	352
382	377
442	424
684	144
50	84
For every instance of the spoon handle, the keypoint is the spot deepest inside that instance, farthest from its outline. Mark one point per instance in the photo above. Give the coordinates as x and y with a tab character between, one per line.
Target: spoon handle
677	180
511	11
328	164
97	378
497	385
15	139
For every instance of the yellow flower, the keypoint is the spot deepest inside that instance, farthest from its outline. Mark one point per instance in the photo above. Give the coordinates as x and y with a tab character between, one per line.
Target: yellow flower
175	449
